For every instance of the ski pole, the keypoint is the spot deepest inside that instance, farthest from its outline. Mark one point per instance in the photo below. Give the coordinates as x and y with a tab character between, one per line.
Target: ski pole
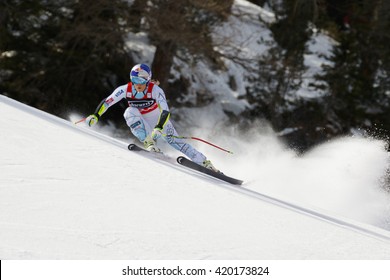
82	120
196	138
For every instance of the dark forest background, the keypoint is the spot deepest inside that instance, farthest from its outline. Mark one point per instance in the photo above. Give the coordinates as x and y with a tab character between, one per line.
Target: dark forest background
66	55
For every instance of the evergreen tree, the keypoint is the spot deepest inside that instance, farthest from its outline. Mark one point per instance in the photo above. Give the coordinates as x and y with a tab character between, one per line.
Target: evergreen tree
359	81
59	55
182	25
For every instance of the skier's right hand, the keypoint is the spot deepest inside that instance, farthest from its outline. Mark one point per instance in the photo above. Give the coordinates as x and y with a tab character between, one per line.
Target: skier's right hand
92	120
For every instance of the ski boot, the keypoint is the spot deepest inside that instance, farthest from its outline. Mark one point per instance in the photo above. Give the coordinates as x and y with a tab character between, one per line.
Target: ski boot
150	145
209	165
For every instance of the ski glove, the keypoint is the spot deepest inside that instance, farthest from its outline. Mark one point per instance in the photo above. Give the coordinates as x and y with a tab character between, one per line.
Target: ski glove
92	119
156	133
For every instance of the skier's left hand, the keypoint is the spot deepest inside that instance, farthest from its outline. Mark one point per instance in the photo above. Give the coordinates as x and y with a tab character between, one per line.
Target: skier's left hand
156	133
92	120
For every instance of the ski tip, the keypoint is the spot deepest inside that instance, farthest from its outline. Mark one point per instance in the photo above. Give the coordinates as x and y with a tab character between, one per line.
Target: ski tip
180	159
131	147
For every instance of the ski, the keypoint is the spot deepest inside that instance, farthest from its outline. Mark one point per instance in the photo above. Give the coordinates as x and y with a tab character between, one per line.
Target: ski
134	147
190	164
156	155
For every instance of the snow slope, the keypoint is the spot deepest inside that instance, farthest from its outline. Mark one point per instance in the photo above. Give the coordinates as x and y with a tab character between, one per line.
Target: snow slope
68	192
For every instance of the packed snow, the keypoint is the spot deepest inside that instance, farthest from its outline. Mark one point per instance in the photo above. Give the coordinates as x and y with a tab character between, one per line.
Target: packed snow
70	192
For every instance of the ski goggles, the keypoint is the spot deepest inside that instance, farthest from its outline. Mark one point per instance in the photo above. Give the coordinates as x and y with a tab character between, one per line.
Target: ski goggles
138	80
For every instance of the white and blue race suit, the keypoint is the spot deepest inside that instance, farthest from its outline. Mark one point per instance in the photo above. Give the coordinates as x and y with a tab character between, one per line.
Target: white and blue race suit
147	110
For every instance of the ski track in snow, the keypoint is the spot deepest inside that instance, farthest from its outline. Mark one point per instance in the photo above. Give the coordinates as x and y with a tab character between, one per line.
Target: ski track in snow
337	182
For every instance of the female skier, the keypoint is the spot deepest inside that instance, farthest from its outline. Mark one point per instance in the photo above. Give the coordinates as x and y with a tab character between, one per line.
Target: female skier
148	114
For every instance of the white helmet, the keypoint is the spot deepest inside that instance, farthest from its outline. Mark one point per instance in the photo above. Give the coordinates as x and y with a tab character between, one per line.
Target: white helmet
140	74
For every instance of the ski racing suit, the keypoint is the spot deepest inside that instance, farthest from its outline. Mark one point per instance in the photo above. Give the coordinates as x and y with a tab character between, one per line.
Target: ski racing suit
147	110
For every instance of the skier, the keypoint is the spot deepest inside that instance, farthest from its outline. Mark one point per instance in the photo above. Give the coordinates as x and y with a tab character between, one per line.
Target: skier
148	114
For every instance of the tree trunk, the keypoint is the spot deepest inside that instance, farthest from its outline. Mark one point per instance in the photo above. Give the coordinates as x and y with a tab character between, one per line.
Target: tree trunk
162	62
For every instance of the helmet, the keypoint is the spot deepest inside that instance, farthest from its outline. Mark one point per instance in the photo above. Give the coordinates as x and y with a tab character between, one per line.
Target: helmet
140	74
